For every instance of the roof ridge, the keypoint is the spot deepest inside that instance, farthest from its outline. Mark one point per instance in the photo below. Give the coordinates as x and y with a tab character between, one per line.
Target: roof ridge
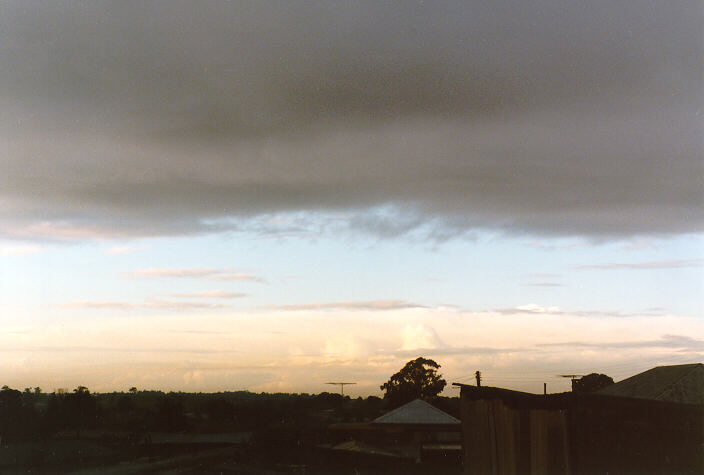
399	408
694	365
425	403
437	409
673	365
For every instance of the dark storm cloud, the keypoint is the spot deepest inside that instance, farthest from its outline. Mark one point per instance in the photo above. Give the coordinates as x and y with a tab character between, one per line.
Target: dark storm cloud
163	118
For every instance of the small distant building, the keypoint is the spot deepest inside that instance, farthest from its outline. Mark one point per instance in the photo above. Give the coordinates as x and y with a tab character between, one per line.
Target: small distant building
418	414
417	432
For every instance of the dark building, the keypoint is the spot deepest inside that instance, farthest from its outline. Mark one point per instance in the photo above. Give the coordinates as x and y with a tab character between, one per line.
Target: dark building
639	426
676	383
415	433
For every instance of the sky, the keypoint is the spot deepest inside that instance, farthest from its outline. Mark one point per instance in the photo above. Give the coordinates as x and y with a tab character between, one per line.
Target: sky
269	196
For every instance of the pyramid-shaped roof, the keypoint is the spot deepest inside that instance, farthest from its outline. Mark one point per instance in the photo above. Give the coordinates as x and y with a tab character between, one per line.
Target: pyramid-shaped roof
677	383
416	412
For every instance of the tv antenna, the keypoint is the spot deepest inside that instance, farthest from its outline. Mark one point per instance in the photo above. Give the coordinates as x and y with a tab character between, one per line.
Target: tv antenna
573	377
342	387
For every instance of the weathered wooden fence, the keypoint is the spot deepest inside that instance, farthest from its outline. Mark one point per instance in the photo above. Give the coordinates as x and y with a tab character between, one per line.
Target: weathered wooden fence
507	432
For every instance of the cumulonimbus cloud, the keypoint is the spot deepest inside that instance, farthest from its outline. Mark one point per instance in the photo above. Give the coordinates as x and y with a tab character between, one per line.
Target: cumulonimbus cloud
140	119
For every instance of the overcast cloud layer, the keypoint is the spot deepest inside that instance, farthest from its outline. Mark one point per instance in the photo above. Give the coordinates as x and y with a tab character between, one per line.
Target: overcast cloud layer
162	118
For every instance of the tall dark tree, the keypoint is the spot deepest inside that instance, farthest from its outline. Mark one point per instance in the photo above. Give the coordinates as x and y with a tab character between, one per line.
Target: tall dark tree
10	412
80	409
591	382
417	379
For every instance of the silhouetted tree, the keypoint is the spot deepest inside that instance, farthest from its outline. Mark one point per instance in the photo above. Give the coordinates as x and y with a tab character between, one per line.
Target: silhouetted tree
591	382
80	408
417	379
170	415
10	411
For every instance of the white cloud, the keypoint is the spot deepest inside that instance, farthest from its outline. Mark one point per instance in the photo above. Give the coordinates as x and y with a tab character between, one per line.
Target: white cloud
238	276
420	337
216	294
671	264
305	351
149	273
347	348
534	308
151	304
213	274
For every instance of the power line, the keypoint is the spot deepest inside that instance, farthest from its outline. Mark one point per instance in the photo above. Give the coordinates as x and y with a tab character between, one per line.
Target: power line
342	387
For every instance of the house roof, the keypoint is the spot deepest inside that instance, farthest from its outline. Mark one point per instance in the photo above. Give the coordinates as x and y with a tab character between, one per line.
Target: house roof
677	383
416	412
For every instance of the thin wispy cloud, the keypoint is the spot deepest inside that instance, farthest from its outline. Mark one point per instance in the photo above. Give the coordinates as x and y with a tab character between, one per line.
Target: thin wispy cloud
154	273
544	284
238	277
459	351
666	341
152	304
351	305
107	349
551	246
535	309
541	275
212	274
208	294
670	264
199	332
527	309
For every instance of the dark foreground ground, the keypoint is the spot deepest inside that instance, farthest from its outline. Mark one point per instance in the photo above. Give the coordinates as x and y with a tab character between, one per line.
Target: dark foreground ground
156	432
174	454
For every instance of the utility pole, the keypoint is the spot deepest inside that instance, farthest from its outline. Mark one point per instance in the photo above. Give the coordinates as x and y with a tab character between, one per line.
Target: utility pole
342	387
478	375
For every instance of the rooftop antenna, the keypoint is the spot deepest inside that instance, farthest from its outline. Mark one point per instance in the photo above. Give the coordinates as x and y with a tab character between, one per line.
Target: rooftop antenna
342	387
573	377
